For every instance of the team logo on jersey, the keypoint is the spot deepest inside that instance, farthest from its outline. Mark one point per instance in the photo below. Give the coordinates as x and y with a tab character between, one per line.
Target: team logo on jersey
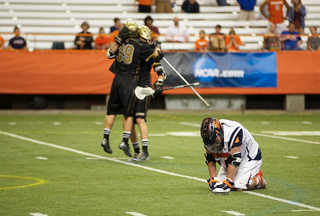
206	70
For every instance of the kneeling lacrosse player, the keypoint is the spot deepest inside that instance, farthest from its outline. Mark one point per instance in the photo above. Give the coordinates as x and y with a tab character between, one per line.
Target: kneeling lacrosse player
231	145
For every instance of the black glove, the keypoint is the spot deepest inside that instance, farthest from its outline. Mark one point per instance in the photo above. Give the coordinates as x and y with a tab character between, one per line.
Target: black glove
123	35
156	44
158	87
212	183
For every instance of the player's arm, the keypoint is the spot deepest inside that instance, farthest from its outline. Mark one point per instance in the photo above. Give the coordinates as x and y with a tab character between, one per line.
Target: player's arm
122	37
262	6
211	163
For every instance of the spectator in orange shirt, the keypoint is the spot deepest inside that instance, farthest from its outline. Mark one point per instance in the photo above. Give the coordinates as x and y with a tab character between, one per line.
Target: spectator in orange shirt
202	44
145	6
233	41
2	42
275	8
102	41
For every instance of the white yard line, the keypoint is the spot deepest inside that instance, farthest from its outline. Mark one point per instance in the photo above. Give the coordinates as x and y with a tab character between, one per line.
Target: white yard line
286	138
135	214
149	168
234	213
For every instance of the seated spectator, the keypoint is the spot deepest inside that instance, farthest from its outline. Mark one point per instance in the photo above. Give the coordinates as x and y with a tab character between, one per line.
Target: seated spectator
313	40
145	6
17	42
164	6
190	6
114	34
290	39
222	2
271	41
177	33
84	41
2	42
233	41
102	41
117	25
297	13
148	21
217	40
246	9
202	44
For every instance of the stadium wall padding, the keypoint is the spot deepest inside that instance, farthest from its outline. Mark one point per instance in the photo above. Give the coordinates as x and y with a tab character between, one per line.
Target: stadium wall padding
86	72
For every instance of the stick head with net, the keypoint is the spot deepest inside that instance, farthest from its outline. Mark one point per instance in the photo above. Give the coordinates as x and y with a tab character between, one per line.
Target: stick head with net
141	92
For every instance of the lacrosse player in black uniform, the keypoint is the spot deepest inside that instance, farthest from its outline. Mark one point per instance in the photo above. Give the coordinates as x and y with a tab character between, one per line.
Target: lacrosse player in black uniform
144	80
129	53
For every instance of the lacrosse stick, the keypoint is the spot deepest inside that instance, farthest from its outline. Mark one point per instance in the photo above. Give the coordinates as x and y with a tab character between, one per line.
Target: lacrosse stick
141	92
199	96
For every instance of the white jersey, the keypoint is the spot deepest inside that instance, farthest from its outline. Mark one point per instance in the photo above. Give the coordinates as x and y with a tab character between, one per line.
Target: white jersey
234	134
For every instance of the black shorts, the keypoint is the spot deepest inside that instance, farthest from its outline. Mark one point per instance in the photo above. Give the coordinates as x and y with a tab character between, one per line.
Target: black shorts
122	99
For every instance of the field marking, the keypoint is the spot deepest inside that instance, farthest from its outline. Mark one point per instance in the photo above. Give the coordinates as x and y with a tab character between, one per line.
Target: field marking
291	157
39	181
37	214
151	169
135	214
167	157
293	133
234	213
42	158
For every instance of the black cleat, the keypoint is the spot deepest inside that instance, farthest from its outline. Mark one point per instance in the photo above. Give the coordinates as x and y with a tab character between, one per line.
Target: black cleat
125	148
105	145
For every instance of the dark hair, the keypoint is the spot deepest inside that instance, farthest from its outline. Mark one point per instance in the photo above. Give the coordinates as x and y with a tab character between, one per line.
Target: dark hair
85	23
16	27
116	19
147	18
218	26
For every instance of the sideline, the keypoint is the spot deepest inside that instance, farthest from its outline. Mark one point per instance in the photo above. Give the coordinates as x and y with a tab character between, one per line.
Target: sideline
149	168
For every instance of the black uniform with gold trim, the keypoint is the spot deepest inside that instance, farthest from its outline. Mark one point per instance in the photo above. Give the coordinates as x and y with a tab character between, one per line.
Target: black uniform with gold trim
131	56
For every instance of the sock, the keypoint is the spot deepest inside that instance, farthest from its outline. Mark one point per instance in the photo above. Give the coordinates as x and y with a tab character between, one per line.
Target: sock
106	133
145	145
126	136
257	180
136	147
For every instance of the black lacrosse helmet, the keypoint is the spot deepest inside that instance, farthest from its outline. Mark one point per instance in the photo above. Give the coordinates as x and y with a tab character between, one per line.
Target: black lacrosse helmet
210	129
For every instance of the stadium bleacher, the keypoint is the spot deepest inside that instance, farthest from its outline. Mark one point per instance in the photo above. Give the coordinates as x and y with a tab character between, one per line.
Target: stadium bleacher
43	22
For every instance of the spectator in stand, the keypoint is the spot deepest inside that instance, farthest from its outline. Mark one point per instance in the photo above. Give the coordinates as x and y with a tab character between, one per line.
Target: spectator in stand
222	3
84	39
275	8
297	14
271	41
117	25
290	38
145	6
17	42
202	44
115	33
246	9
177	33
190	6
148	21
217	40
102	41
164	6
2	42
233	41
313	40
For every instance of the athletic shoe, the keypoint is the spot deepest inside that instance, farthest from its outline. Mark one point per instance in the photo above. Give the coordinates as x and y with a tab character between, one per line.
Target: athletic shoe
262	181
105	145
142	156
125	148
135	156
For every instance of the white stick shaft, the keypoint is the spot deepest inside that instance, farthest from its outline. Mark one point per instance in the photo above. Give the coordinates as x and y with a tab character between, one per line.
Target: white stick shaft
199	96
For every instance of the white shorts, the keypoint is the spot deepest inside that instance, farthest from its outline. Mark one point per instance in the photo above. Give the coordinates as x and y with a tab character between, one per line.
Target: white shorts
244	174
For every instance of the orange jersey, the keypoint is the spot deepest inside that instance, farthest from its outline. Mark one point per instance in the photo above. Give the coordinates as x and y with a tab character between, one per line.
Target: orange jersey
145	2
2	41
201	44
237	40
113	35
102	39
275	8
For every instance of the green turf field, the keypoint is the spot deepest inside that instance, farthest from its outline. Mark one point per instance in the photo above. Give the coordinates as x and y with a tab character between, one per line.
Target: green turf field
52	164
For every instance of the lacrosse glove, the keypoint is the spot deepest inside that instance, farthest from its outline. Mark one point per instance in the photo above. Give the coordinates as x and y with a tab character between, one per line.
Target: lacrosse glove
224	187
123	35
212	183
158	87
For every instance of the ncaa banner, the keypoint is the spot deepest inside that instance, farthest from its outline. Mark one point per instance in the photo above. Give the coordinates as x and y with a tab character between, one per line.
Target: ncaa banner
223	69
